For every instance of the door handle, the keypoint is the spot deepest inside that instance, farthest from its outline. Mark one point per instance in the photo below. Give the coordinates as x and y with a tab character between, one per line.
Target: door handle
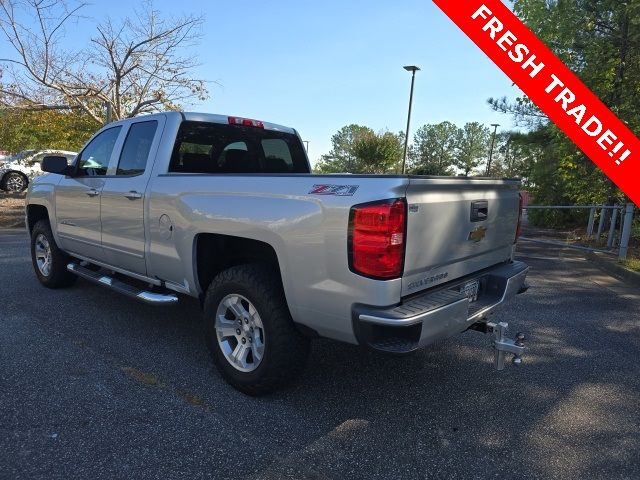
133	195
93	192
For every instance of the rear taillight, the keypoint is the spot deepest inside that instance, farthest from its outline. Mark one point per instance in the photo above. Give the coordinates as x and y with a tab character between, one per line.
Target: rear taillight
377	239
519	227
245	122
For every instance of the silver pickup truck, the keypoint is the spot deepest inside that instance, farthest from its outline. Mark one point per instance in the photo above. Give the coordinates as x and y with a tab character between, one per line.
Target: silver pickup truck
225	209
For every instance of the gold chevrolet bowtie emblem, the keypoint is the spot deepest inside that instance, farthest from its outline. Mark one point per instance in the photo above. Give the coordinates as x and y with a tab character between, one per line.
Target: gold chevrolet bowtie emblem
477	234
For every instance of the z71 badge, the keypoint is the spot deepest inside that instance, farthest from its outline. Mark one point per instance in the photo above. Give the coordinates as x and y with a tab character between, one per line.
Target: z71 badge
339	190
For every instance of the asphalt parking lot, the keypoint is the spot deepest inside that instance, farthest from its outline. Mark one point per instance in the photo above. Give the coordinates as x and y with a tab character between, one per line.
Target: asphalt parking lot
94	385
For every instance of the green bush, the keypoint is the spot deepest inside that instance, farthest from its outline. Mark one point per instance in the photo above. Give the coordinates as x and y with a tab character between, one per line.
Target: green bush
554	218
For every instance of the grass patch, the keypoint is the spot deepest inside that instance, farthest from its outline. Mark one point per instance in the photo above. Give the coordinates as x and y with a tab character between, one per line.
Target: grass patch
632	264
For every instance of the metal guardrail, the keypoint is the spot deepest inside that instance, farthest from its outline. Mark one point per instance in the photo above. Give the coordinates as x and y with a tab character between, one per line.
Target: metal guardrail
624	212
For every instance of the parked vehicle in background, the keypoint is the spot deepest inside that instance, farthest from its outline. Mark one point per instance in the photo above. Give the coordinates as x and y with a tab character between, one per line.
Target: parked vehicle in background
17	171
226	210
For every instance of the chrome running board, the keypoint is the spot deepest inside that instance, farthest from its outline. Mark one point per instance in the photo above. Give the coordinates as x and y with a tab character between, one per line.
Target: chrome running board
151	298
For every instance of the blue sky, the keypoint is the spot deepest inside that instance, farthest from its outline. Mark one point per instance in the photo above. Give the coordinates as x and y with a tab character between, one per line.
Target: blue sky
318	66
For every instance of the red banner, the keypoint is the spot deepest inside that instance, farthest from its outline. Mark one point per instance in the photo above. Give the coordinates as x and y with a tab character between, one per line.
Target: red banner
558	92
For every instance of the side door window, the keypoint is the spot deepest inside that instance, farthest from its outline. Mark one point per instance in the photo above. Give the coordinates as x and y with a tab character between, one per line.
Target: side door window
94	159
137	145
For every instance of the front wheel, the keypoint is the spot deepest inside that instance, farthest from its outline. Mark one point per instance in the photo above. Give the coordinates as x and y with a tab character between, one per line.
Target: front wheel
49	262
249	330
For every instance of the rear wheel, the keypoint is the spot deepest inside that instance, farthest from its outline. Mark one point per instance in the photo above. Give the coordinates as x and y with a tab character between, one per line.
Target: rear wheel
249	330
14	182
49	262
240	332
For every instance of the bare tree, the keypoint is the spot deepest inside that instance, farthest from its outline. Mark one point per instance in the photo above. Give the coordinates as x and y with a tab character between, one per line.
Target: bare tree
136	65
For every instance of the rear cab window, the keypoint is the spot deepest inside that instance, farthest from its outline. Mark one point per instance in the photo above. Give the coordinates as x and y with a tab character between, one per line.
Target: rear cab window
203	147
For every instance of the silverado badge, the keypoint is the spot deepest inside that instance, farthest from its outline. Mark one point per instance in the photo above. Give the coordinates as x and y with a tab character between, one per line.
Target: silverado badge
477	234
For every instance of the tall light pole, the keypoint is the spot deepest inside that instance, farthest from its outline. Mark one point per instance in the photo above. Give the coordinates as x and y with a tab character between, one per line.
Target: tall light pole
493	141
412	69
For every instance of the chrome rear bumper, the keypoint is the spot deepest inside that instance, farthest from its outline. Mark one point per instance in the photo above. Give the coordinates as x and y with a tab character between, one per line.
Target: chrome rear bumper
433	316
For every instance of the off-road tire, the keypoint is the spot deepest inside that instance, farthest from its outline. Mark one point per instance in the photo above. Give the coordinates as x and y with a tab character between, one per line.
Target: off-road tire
286	349
59	276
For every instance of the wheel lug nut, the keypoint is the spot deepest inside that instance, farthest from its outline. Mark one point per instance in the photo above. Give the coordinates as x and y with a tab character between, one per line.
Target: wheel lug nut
251	329
238	331
246	320
244	340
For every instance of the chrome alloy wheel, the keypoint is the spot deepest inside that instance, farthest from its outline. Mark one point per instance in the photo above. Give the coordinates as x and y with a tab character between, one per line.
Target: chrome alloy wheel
15	184
240	332
43	254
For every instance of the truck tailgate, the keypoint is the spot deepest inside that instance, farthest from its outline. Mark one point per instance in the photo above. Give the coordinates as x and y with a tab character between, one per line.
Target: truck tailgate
456	227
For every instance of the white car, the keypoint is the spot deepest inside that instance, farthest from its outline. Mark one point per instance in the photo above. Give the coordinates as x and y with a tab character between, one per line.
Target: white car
17	171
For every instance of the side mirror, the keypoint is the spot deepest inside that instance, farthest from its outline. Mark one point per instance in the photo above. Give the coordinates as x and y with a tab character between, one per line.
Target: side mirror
55	164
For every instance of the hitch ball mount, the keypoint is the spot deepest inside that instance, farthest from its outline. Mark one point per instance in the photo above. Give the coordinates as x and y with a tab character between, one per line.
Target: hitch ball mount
503	345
